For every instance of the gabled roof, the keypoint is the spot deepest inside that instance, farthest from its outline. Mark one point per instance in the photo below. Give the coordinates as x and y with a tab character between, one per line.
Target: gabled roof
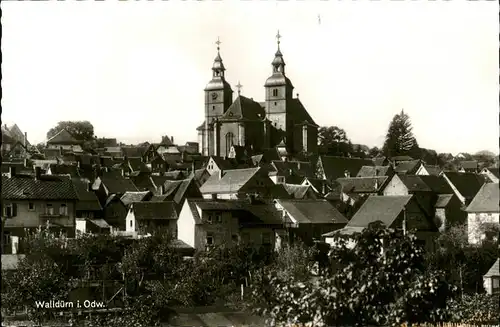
46	188
443	200
437	184
494	171
232	181
87	200
471	164
383	208
243	109
433	170
362	184
154	210
487	199
176	190
297	191
317	184
371	171
468	184
144	183
493	272
131	197
173	175
408	167
63	137
133	151
414	183
299	112
118	185
65	170
227	163
401	158
335	167
297	168
313	211
16	133
247	214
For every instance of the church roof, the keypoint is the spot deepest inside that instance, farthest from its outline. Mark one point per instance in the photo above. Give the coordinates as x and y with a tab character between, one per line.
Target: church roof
278	79
244	109
299	112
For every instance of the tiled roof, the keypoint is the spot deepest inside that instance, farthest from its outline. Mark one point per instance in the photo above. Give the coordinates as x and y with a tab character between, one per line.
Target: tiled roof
493	272
297	191
433	170
487	199
131	197
256	159
299	112
371	171
144	183
154	210
243	109
469	164
437	184
65	170
63	137
298	168
313	211
335	167
443	200
231	181
87	200
16	133
379	161
383	208
401	158
407	167
414	183
318	184
348	230
200	173
133	151
228	163
173	175
362	184
101	223
468	184
118	185
248	214
278	191
46	188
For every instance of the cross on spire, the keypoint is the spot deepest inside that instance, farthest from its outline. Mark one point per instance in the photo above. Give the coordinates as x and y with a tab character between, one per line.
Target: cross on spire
218	42
239	86
278	37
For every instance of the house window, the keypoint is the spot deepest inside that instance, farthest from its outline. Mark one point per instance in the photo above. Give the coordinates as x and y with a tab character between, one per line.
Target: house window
218	218
31	206
8	210
275	103
266	238
130	222
213	107
275	92
495	282
49	209
209	219
63	210
209	240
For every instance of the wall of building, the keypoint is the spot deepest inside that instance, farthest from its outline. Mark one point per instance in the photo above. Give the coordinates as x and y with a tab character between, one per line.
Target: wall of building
34	218
186	226
395	187
475	222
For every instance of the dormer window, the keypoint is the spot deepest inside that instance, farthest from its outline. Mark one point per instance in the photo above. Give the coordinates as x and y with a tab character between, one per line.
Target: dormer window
275	92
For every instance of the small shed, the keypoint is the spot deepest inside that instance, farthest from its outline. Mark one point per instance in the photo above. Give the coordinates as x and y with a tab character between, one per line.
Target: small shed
492	279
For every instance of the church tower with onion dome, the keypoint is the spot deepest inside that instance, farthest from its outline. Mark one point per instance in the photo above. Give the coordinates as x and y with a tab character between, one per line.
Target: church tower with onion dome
218	98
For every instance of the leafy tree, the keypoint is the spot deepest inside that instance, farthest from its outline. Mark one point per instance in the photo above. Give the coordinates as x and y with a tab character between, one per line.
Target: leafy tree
80	130
382	280
399	139
373	152
333	141
477	309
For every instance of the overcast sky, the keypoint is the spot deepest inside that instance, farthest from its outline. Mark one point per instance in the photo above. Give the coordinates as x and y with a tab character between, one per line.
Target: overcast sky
137	70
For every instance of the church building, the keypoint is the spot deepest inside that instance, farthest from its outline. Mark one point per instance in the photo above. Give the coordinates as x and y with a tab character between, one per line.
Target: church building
281	121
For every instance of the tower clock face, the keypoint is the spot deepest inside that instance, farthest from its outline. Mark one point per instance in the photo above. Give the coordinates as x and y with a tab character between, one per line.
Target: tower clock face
214	96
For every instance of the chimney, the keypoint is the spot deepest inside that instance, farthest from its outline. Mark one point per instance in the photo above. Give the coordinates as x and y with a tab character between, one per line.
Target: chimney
172	139
12	171
38	172
25	139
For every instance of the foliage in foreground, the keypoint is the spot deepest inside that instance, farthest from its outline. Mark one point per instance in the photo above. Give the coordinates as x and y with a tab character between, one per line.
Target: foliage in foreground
382	280
476	309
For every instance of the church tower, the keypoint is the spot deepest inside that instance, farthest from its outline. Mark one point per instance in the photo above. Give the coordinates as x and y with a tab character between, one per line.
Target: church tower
218	98
279	93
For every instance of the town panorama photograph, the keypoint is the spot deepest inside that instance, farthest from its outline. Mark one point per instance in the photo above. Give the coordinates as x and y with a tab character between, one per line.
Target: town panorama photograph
250	163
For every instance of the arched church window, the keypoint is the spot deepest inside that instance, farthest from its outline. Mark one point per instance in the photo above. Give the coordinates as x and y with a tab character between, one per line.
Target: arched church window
275	92
229	142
